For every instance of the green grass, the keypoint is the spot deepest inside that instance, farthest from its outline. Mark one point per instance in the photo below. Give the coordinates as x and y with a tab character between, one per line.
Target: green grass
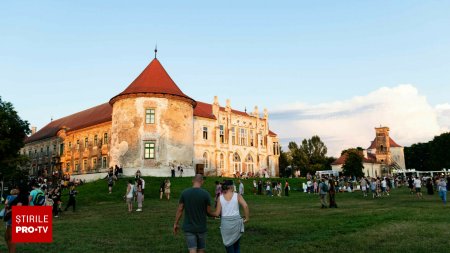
399	223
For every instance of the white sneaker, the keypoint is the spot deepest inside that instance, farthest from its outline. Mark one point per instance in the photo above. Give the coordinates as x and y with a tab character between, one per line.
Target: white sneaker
139	210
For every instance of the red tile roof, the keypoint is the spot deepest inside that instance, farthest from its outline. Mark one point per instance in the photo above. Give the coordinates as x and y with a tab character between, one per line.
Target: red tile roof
154	80
204	110
272	133
90	117
392	144
343	158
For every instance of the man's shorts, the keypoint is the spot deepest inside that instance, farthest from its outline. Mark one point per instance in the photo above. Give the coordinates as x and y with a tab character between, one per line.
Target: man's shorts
418	189
195	240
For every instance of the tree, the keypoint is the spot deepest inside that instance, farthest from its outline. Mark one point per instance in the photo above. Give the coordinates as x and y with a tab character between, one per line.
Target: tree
353	165
310	156
283	164
13	131
440	151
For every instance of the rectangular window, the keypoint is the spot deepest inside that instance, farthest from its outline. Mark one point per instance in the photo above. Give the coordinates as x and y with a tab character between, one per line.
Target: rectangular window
68	167
85	165
48	150
149	150
222	134
105	138
78	144
94	163
233	135
86	142
150	116
95	140
205	133
252	139
77	166
61	149
243	137
70	145
104	162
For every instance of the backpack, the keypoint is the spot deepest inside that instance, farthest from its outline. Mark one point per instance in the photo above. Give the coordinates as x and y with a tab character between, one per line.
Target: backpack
39	200
324	187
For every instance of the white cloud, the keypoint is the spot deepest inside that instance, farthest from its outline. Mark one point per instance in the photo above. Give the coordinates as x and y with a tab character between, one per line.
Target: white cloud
443	112
350	123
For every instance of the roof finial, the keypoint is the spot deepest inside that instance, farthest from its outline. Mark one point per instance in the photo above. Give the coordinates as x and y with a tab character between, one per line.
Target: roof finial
156	49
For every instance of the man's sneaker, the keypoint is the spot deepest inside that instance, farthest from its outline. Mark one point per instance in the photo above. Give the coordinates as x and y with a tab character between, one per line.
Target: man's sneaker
139	210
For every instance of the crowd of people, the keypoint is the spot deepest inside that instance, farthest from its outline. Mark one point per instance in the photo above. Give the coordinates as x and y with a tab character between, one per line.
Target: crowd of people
228	196
38	192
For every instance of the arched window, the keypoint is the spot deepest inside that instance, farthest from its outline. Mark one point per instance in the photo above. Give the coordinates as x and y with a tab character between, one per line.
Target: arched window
221	163
250	165
205	160
237	163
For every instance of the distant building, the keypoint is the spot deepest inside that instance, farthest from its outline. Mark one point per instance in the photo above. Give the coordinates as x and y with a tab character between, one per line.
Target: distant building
383	155
153	126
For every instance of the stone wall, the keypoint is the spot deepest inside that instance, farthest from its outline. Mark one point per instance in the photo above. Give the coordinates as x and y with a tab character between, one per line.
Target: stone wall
172	133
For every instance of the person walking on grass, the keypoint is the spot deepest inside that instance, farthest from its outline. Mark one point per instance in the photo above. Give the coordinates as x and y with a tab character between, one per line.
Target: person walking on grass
11	200
110	179
218	191
332	194
323	190
241	187
429	185
129	195
418	187
363	184
161	189
167	189
139	196
72	202
442	186
195	202
286	188
232	224
373	188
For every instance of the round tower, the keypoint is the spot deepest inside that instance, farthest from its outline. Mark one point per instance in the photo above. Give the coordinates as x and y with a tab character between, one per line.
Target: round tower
152	124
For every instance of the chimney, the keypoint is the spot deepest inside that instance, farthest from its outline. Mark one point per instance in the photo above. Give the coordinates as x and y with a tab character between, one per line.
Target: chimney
33	130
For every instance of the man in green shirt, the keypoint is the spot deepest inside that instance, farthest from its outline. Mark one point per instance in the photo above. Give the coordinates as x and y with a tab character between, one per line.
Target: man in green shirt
196	204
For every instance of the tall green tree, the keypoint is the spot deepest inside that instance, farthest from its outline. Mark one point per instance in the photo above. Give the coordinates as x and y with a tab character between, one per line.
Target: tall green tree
310	156
283	164
440	152
353	165
13	131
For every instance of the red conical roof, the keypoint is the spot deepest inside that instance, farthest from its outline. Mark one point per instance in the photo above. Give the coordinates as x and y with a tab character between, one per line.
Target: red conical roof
153	80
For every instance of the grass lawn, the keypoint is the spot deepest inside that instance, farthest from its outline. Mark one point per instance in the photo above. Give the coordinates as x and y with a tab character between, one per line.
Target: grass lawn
399	223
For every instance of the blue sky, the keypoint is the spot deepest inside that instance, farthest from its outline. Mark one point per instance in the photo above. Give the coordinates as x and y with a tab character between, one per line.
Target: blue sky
59	57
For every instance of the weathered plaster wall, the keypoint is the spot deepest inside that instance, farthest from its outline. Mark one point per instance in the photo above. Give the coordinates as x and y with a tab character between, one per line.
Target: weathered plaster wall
172	133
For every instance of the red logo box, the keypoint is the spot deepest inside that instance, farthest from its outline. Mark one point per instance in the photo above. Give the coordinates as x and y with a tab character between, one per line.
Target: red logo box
32	224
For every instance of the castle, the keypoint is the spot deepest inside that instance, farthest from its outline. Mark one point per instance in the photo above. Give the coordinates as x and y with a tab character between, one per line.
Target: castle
152	126
383	155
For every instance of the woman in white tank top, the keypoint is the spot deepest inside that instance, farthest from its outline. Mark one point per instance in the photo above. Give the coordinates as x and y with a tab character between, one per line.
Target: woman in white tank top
232	224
